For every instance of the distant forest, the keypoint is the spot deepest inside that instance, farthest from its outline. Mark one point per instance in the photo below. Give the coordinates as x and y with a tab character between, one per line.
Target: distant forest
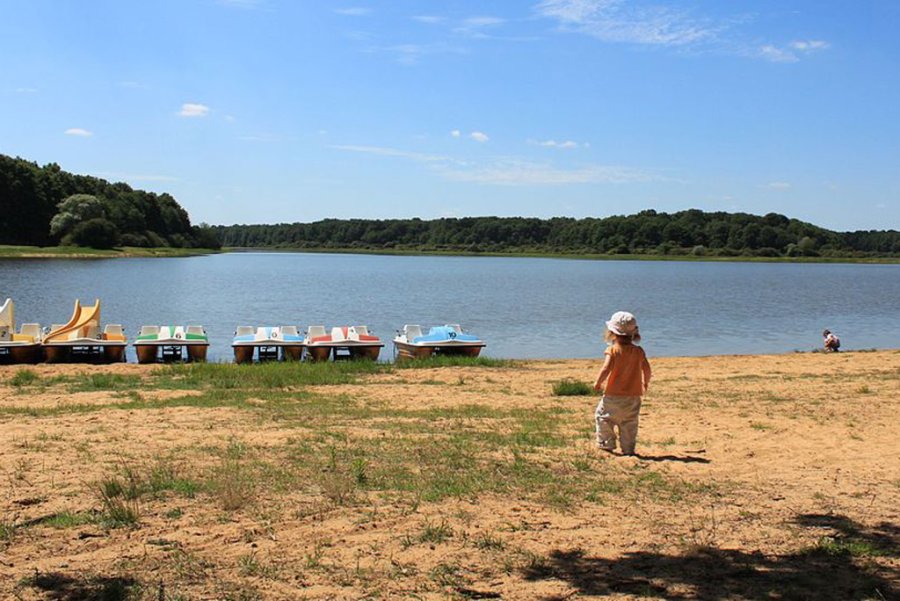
691	232
46	206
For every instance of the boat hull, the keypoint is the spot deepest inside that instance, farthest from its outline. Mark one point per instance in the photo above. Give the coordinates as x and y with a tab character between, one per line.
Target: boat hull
406	351
24	353
89	350
148	352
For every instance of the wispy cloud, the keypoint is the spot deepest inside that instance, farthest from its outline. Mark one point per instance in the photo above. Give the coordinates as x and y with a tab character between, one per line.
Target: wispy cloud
131	177
562	145
654	23
629	22
354	11
246	4
792	52
26	90
391	152
510	171
77	131
514	172
429	19
778	185
475	26
412	54
456	133
192	109
479	136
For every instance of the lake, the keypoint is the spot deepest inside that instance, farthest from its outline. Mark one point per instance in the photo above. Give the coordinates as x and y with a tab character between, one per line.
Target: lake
522	307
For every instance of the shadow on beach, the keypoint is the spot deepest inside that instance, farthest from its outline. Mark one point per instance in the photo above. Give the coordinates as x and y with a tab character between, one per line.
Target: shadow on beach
840	567
676	458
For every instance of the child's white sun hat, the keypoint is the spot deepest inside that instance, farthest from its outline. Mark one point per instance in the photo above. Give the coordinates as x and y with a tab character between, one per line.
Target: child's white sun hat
622	323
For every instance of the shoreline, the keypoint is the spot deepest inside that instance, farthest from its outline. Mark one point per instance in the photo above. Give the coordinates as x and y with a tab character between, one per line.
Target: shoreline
59	252
76	252
578	257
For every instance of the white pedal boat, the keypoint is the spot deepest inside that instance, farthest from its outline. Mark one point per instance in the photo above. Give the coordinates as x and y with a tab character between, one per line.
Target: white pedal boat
23	346
267	342
412	343
354	342
82	337
171	341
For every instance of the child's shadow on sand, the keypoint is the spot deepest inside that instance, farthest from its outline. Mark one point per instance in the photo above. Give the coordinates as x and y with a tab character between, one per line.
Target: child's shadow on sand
677	458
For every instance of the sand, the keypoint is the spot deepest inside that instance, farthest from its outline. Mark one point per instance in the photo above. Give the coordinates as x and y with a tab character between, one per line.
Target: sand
758	477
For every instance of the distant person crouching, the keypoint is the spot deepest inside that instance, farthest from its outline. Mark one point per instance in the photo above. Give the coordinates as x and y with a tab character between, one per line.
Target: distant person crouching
626	373
831	342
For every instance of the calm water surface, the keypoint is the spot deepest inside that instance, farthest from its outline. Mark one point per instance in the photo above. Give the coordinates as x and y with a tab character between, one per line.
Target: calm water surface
526	308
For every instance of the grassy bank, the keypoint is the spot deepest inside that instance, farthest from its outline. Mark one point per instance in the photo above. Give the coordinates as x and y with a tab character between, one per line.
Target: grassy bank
582	256
449	480
79	252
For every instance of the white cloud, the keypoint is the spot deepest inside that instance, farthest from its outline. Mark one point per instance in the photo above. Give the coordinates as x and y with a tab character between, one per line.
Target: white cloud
191	109
26	90
629	22
77	131
778	185
565	145
456	133
479	136
354	11
428	19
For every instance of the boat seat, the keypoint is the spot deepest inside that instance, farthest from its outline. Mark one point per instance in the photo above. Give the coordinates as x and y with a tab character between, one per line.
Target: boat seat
149	331
195	330
315	332
4	333
244	331
455	327
32	330
362	330
339	334
114	331
412	332
89	331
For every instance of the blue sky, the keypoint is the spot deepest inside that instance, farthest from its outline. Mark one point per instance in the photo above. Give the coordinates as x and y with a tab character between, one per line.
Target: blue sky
264	111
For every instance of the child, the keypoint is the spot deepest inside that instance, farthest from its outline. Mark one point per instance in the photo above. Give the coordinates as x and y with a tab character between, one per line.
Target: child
830	341
626	372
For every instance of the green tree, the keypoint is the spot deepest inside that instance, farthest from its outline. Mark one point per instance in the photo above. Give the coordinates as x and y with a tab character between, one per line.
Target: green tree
74	210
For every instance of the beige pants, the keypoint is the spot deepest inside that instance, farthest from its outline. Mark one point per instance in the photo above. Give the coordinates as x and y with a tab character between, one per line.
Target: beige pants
621	411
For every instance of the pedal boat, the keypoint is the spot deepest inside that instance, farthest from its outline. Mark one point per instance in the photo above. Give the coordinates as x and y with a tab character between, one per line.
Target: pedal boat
82	338
268	343
23	346
171	342
346	342
411	343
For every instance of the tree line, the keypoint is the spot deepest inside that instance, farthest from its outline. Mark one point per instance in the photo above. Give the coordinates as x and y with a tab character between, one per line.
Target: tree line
46	206
646	233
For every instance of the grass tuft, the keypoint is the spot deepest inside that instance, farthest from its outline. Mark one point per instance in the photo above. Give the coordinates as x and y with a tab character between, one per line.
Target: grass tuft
454	361
24	377
570	387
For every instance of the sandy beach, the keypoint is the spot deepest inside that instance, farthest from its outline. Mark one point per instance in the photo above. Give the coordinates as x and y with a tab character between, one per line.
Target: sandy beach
758	477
